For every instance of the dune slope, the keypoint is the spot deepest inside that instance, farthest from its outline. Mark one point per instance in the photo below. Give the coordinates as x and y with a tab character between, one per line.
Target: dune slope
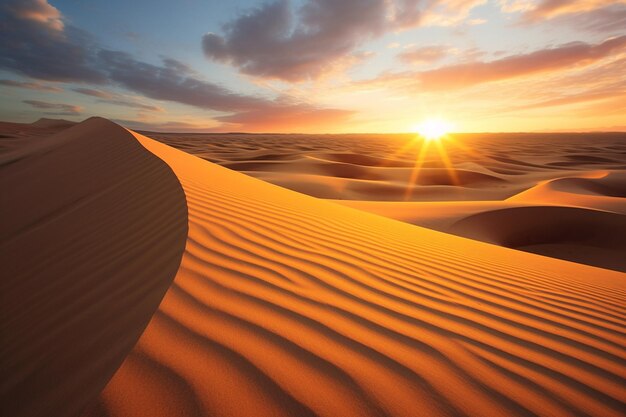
377	173
285	305
580	218
592	237
91	235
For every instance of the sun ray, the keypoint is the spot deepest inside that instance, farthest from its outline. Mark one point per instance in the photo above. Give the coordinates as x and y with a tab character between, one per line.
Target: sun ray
443	154
416	169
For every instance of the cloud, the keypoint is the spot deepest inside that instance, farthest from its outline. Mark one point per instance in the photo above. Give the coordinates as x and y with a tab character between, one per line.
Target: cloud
35	44
593	15
610	19
56	108
574	99
168	126
406	14
424	55
546	9
117	99
39	48
31	86
93	93
167	82
276	42
38	11
450	13
552	59
132	104
273	41
32	48
285	118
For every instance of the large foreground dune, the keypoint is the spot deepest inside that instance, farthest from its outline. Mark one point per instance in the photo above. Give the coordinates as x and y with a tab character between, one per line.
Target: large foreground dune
91	234
287	305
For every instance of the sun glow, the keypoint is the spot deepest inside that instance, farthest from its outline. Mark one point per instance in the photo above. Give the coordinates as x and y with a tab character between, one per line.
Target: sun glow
433	129
432	148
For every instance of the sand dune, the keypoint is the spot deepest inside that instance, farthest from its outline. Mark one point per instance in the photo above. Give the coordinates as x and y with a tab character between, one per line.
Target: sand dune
379	167
490	172
588	236
282	304
47	123
286	305
602	190
91	235
579	218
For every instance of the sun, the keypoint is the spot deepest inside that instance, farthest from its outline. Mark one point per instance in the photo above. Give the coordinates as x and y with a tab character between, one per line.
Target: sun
433	129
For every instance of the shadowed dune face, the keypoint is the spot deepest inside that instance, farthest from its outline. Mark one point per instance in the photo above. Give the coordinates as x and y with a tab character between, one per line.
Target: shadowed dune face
91	235
587	236
285	305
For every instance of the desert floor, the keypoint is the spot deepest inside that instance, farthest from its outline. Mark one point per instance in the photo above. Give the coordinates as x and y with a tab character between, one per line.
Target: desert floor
146	281
560	195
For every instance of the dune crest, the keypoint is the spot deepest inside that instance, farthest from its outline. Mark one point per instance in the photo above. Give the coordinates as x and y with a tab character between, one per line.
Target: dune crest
91	235
285	305
375	173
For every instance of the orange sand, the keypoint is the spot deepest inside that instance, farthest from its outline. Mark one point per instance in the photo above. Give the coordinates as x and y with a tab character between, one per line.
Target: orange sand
289	305
529	179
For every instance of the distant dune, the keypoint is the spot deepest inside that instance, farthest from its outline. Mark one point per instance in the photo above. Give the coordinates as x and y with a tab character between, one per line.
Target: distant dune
282	304
53	123
525	179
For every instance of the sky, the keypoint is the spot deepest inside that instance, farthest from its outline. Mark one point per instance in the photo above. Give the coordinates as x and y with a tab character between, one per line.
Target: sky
317	66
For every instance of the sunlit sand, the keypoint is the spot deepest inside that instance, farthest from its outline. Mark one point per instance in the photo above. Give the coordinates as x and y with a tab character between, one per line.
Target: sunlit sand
313	208
284	304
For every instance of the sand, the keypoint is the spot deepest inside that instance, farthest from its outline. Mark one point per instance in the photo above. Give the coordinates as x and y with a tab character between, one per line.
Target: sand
524	177
91	235
288	305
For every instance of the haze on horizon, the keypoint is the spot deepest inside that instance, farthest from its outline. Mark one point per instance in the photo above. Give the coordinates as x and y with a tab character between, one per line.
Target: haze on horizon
316	66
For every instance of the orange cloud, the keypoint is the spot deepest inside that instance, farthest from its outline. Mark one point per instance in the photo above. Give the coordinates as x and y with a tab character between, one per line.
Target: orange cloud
58	109
546	9
285	118
38	11
545	60
603	16
31	86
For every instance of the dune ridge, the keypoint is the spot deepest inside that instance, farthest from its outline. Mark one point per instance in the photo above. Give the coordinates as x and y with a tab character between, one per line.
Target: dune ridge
530	173
579	218
286	305
92	231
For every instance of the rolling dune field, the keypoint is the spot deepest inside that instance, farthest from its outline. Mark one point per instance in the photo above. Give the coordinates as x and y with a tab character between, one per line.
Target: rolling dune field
284	304
559	195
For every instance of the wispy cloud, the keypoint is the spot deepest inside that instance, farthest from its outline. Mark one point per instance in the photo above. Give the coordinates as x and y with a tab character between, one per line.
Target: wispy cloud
117	99
602	16
289	118
458	76
93	92
545	60
55	108
31	86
